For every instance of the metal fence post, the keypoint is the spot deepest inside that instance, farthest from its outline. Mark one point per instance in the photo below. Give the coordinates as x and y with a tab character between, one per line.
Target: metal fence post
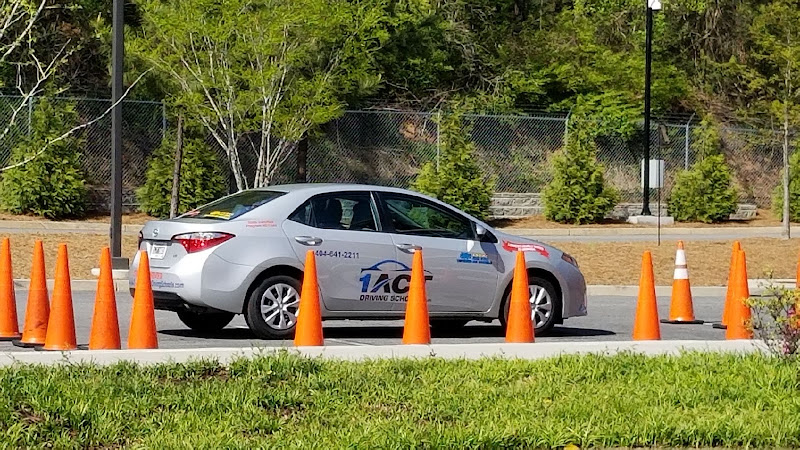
438	137
30	115
686	145
566	126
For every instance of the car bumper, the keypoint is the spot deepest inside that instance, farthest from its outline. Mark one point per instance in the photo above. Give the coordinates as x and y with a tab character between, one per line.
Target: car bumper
198	280
573	291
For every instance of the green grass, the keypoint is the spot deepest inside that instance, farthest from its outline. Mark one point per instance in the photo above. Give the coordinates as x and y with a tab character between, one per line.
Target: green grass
288	401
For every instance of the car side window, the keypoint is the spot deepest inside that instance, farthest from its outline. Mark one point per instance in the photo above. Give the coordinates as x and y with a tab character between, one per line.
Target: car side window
346	211
420	218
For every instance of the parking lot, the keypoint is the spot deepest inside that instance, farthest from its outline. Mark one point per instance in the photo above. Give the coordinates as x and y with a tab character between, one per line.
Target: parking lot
610	319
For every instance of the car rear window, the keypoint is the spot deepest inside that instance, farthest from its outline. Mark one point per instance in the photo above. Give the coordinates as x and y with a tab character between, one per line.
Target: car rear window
233	206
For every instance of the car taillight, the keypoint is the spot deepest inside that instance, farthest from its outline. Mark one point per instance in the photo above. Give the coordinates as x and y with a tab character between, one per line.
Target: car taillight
195	242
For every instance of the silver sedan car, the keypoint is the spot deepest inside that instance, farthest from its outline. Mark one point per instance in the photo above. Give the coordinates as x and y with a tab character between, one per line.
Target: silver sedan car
244	254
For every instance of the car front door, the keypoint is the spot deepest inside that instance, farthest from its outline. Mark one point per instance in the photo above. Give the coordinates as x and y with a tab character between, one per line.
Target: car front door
343	232
461	272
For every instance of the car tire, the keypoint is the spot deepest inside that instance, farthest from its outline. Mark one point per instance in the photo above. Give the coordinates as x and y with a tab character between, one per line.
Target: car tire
205	322
271	311
548	309
448	324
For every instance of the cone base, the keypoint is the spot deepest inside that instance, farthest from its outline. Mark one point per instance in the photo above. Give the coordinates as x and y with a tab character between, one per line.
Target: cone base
684	322
719	326
519	341
309	344
19	343
10	338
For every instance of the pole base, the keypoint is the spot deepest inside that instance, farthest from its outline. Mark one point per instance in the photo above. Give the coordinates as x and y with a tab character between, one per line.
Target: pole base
719	326
118	263
19	343
684	322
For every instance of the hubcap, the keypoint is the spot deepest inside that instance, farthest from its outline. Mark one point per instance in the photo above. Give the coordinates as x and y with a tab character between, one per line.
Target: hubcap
279	306
541	305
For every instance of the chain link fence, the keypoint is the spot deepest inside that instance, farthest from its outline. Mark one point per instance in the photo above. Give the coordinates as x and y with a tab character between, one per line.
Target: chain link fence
389	148
143	128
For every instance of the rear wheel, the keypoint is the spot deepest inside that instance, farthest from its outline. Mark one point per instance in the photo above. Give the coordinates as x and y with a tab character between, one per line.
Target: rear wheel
205	322
272	307
545	304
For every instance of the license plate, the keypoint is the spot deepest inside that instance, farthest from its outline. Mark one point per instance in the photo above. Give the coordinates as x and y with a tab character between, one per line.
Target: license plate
157	251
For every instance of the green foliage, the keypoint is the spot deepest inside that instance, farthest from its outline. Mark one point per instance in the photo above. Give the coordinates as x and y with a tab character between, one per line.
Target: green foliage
694	400
51	183
775	320
794	191
201	179
578	192
706	140
704	193
457	180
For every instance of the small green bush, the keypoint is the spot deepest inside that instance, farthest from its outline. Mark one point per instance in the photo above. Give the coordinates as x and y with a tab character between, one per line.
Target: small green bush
52	184
794	191
578	192
201	179
458	180
704	193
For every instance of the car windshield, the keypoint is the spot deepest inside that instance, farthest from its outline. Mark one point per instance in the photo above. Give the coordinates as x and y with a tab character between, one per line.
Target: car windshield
232	206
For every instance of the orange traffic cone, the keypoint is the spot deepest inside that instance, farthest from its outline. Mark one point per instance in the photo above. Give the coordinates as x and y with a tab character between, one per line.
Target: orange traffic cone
142	333
308	331
105	322
37	313
9	324
520	325
61	325
739	316
737	247
681	309
645	325
417	327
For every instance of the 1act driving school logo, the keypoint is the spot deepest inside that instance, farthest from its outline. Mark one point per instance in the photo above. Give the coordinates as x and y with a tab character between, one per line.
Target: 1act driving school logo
387	281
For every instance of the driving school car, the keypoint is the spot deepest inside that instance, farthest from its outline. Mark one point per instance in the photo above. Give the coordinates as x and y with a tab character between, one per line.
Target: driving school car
244	254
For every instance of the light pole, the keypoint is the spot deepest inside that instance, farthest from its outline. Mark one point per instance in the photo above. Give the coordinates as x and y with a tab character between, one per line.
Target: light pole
651	6
117	58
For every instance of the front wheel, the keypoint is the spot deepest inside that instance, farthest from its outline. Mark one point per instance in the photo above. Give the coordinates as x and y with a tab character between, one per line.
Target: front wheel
545	304
272	307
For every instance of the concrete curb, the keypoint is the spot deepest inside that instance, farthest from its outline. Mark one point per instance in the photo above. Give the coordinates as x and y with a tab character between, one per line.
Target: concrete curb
360	353
77	285
643	231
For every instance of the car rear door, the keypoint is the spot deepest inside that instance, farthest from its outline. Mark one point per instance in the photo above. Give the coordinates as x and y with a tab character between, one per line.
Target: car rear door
343	231
461	272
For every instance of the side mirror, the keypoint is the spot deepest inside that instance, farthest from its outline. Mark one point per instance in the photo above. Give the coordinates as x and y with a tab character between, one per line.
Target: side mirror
480	231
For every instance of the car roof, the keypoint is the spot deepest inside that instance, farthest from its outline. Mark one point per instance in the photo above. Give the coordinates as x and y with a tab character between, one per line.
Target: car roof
328	187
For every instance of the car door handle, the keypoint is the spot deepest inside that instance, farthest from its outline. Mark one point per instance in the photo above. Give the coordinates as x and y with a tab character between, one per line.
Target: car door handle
308	240
408	248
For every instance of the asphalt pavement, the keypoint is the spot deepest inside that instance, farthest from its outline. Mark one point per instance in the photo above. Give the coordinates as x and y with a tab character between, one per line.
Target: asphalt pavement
610	319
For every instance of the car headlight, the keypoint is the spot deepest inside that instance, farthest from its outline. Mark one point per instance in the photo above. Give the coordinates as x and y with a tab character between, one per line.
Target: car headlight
569	259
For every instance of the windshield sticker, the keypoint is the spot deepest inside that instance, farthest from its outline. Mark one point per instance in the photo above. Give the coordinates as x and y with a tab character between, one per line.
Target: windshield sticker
219	214
387	281
260	224
473	258
527	247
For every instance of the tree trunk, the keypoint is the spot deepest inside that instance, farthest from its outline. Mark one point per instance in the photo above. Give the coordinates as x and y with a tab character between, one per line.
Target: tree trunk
302	160
786	233
176	172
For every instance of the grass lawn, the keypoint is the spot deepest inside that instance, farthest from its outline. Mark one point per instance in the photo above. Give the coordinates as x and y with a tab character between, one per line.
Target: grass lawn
708	261
292	402
764	218
601	262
